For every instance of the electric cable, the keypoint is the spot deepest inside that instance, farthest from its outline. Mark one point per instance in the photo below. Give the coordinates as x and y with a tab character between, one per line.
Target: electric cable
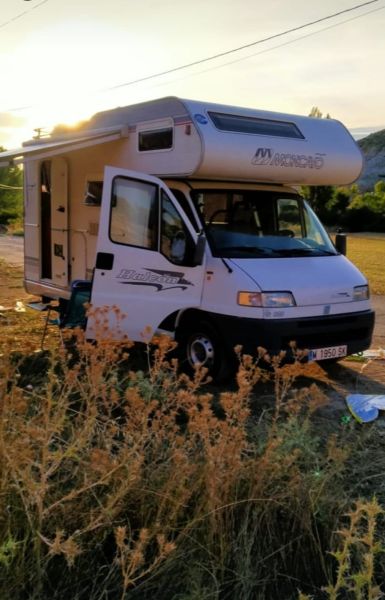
22	14
239	48
3	186
264	51
234	50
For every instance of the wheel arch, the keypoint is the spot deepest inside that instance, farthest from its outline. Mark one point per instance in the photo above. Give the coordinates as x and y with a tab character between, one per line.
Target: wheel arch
180	320
192	316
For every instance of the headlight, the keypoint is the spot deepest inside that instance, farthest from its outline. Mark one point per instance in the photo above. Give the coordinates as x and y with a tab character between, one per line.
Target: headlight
266	299
361	292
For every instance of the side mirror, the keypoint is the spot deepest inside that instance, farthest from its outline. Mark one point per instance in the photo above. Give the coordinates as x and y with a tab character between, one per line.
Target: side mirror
199	250
340	242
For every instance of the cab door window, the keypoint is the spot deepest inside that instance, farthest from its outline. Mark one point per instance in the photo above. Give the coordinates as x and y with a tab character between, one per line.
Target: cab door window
175	240
134	213
136	220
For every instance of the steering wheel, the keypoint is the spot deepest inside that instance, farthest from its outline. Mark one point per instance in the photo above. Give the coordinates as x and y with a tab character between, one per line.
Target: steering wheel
216	213
286	232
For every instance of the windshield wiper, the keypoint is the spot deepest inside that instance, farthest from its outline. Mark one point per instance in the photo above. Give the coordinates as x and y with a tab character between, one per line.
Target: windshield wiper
246	249
304	252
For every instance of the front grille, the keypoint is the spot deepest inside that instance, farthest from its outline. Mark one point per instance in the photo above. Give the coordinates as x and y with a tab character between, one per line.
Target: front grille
329	338
330	331
336	321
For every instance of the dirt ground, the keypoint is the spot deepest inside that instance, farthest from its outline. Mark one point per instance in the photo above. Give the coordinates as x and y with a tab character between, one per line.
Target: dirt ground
365	376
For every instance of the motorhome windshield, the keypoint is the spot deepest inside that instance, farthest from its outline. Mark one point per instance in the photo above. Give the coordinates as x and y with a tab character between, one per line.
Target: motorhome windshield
259	224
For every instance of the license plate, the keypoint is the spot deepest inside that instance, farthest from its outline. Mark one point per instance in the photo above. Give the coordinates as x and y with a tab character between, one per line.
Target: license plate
328	353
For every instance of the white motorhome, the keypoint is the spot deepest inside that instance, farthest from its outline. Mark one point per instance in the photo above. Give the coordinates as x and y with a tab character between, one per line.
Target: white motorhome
186	216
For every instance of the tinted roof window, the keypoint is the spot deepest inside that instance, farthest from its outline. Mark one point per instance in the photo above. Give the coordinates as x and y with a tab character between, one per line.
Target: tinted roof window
253	125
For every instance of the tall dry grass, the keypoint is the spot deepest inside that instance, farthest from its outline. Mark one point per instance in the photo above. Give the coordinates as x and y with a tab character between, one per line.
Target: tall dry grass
117	483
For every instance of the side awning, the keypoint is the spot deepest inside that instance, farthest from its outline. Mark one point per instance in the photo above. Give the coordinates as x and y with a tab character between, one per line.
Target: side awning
40	149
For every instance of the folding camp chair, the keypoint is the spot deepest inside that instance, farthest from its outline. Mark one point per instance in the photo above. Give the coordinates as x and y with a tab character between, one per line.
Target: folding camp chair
71	313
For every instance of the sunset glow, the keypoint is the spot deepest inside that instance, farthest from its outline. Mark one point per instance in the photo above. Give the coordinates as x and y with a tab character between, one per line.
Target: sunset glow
64	61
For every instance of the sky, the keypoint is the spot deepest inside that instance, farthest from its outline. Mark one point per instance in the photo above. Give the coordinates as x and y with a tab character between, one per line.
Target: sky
63	60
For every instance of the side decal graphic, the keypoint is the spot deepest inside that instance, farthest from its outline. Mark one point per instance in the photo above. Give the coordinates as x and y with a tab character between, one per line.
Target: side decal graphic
157	278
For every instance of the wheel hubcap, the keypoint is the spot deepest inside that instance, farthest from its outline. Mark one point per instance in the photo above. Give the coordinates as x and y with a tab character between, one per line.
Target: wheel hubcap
201	351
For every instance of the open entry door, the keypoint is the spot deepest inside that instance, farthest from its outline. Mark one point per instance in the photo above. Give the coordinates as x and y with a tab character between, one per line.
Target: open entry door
54	221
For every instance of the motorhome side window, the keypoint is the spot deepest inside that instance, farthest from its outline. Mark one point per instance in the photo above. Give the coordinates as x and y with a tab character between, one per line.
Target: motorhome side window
134	213
156	139
93	193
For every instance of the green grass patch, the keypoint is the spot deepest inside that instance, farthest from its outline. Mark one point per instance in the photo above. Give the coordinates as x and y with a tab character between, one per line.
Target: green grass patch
368	254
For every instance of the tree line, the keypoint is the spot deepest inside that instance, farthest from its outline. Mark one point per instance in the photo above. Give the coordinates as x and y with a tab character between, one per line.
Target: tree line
348	207
11	196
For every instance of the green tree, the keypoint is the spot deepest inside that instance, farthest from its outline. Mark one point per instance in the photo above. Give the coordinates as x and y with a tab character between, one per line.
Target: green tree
366	212
317	114
319	197
337	206
11	194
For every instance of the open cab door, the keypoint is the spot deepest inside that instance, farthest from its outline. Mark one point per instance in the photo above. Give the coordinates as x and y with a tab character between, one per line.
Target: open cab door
146	253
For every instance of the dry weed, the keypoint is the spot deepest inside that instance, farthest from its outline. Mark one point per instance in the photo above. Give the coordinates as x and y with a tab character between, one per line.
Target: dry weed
151	482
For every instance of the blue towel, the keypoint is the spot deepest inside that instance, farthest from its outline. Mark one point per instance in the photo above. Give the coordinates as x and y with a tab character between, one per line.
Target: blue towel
365	407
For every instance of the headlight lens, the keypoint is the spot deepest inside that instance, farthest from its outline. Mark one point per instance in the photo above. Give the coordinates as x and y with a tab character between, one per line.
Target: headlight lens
361	292
266	299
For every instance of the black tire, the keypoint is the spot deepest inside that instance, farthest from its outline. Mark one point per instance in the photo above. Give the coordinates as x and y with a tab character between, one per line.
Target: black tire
202	345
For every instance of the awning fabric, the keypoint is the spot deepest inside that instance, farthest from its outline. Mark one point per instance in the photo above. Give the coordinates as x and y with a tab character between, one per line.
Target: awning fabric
51	148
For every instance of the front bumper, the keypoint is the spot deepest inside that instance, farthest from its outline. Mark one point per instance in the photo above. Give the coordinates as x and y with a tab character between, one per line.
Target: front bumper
353	329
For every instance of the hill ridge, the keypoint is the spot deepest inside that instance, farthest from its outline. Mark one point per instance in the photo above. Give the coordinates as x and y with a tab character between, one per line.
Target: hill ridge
373	149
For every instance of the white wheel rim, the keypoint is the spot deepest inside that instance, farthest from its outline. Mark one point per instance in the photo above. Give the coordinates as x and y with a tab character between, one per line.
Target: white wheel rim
201	351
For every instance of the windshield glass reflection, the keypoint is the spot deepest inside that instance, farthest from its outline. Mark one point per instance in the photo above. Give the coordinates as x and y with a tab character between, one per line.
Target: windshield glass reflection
257	224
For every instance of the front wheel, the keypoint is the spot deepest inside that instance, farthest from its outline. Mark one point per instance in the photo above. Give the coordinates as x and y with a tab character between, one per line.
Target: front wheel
202	346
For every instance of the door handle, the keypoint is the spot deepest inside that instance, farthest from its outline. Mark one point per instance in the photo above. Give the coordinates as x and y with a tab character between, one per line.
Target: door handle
105	261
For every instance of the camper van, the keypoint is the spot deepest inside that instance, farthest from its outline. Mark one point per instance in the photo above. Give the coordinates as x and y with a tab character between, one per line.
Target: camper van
186	216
